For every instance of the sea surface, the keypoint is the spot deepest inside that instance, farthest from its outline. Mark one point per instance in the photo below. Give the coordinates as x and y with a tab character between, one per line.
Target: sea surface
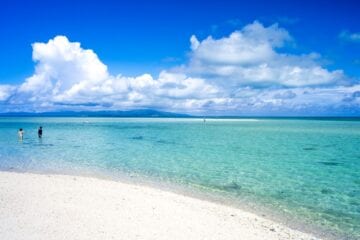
307	170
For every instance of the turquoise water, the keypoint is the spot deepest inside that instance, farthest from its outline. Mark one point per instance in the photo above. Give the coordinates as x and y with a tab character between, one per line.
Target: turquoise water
306	170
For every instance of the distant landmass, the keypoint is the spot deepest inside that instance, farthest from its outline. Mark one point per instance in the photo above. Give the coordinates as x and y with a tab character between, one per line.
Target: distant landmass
130	113
151	113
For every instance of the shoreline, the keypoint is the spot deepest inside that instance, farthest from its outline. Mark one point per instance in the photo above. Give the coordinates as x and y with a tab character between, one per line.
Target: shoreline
54	198
198	192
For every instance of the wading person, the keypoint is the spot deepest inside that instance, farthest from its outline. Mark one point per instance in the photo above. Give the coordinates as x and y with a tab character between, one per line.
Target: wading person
40	131
21	134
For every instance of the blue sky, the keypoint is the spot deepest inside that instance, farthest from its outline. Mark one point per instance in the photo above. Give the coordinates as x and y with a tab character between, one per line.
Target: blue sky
148	42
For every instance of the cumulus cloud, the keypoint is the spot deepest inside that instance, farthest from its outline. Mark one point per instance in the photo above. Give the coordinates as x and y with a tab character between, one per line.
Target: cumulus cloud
64	71
66	74
249	57
336	100
243	73
253	44
6	91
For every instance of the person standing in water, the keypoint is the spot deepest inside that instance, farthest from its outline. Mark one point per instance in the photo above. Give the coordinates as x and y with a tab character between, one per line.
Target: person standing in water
21	134
40	131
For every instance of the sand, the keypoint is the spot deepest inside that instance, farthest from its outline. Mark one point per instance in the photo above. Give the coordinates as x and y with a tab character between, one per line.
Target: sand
36	206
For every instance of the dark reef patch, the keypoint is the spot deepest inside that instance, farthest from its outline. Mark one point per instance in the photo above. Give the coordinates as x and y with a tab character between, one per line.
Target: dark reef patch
165	142
330	163
233	186
137	138
326	191
309	148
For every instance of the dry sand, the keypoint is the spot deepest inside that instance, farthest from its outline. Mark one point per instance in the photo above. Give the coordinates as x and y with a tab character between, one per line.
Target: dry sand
34	206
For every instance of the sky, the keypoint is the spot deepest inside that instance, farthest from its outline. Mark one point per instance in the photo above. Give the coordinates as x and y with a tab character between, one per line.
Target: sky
246	58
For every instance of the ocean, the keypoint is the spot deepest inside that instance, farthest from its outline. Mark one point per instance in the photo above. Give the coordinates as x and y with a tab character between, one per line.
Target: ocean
307	171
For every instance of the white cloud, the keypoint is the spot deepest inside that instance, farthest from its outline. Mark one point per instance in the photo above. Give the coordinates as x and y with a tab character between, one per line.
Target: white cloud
250	57
64	68
6	91
295	101
252	45
176	85
66	74
243	73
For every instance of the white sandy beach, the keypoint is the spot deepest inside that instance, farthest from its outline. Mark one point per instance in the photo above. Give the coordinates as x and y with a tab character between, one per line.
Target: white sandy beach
34	206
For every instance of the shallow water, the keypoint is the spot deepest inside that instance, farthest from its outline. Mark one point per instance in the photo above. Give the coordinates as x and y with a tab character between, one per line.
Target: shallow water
308	170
